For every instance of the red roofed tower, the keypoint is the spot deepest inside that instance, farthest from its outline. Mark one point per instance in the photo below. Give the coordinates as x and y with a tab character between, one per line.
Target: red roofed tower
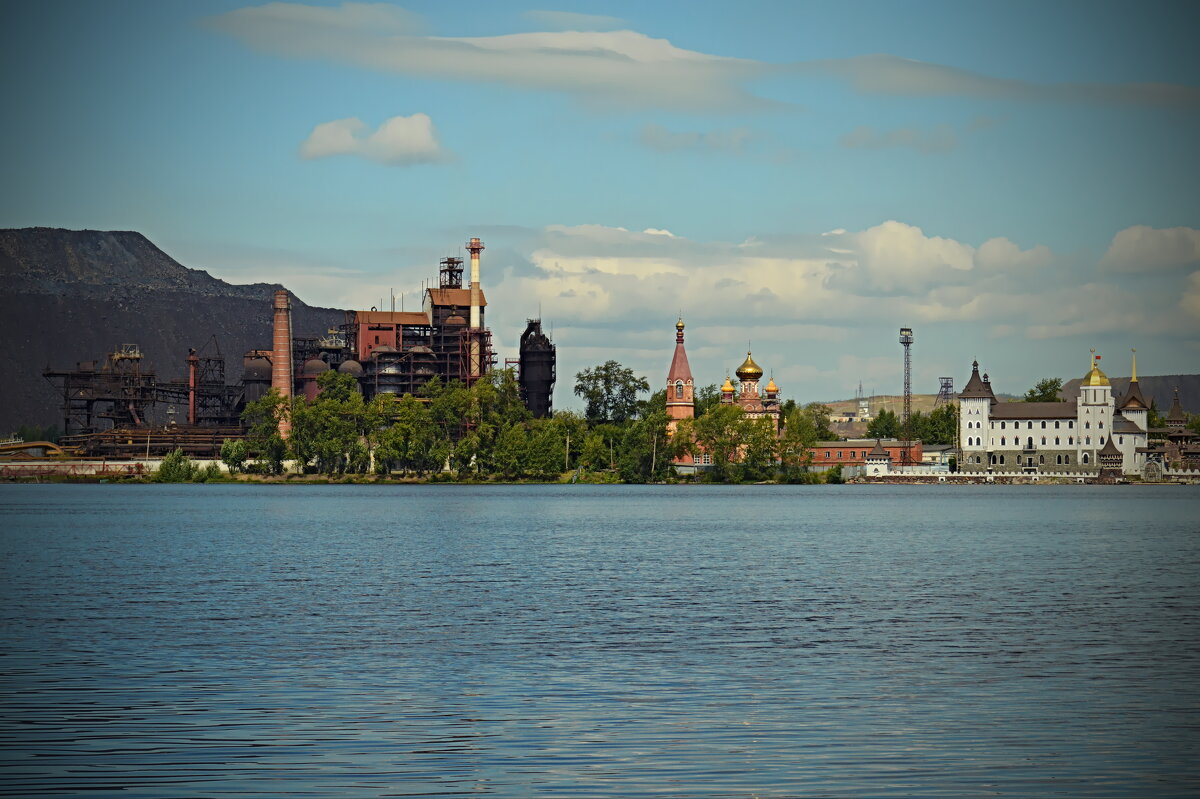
680	401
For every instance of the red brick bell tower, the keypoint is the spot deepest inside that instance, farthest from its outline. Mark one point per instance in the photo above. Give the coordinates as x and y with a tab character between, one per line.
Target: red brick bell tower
680	401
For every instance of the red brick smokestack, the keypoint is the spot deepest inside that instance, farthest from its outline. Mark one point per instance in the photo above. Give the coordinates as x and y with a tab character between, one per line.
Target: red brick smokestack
193	361
281	354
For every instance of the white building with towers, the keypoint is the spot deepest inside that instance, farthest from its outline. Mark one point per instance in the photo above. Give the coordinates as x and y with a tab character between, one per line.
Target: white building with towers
1053	437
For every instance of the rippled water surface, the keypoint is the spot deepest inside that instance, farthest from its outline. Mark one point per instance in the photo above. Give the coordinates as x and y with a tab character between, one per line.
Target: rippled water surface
524	641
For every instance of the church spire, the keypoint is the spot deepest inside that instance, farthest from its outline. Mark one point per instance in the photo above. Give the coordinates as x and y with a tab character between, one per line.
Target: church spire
680	399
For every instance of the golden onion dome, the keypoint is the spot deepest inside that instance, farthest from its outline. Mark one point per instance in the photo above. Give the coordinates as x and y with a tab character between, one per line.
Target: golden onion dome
1095	377
679	325
749	370
728	387
771	387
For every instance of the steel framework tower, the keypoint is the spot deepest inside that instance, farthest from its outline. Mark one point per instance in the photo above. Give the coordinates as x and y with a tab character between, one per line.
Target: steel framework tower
945	392
906	339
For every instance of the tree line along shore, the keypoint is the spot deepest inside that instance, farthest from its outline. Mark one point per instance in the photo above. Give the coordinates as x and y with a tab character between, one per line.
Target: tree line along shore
484	433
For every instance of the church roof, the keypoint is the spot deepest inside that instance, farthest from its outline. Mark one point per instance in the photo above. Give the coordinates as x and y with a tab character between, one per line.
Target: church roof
1176	413
749	370
1109	449
1133	399
1033	410
976	388
878	452
728	385
1095	377
680	369
1124	425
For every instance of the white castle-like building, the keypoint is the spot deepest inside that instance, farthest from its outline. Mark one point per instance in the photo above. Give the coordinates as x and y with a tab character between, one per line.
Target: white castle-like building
1095	433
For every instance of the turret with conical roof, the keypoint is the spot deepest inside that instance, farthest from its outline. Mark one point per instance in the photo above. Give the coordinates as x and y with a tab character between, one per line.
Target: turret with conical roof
1133	401
976	388
1176	418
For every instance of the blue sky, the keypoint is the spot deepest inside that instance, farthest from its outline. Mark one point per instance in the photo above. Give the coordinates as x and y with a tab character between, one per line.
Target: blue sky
1016	181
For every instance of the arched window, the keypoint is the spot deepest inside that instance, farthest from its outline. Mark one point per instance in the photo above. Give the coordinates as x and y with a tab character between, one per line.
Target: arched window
1102	441
1070	441
1087	425
1056	441
1002	425
1043	425
1003	440
993	460
1043	441
1071	425
1029	425
1085	457
1056	425
1058	460
1089	441
1029	443
678	389
1001	460
1100	424
1041	459
1067	460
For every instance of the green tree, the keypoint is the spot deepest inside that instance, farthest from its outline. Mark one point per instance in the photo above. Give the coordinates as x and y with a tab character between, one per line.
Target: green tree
234	454
610	391
262	418
327	433
645	455
1045	390
1153	417
800	433
718	433
760	449
176	467
595	454
512	451
409	441
49	433
884	425
820	415
706	398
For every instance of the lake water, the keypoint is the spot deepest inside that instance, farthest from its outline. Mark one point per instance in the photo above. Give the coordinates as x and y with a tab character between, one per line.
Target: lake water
528	641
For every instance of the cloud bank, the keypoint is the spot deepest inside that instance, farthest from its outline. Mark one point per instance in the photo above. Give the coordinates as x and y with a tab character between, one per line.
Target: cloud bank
623	68
573	21
614	68
905	77
1145	249
398	141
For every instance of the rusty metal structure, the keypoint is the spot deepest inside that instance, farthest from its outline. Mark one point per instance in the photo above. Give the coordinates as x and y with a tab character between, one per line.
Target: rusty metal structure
537	371
118	407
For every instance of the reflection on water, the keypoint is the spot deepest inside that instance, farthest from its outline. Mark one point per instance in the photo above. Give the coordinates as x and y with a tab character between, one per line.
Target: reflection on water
163	641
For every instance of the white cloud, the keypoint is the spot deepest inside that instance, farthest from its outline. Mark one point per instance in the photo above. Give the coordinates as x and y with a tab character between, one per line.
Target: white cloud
1000	254
1190	301
618	68
573	21
1145	249
398	141
896	258
906	77
940	139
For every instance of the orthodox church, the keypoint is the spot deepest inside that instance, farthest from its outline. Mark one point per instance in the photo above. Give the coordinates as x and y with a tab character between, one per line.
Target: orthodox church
1096	433
681	394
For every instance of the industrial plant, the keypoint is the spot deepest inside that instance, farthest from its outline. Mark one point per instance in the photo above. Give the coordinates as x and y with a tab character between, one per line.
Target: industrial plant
120	407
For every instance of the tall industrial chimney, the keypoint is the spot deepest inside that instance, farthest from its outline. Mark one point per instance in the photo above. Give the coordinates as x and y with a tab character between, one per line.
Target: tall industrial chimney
281	355
475	246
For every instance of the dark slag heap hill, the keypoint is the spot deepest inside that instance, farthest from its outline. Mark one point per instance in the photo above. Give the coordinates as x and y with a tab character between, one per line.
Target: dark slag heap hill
73	295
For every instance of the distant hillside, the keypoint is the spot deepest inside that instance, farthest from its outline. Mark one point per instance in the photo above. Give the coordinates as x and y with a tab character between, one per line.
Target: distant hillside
1159	388
74	295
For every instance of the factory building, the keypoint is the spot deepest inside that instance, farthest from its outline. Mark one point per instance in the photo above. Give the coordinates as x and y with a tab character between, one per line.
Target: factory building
387	352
